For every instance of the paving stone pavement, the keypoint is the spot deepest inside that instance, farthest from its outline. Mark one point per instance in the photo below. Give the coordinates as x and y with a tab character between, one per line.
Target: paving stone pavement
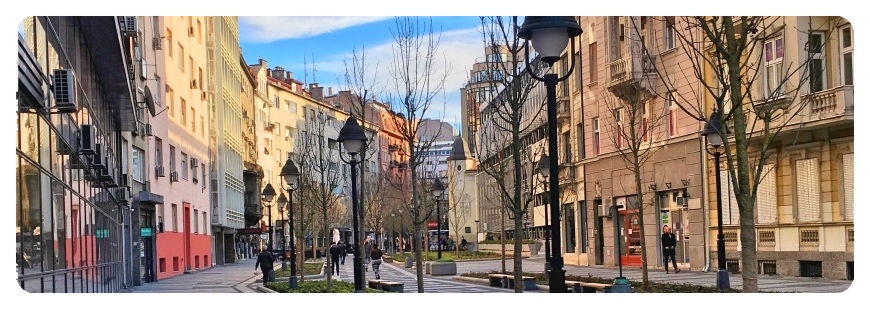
408	276
229	278
765	283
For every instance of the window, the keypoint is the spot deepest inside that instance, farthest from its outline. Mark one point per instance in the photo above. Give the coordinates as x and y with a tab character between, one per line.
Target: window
195	223
170	100
181	57
276	102
671	110
169	42
287	131
566	141
817	61
157	91
620	139
808	190
730	210
204	223
138	165
193	119
593	62
644	125
158	151
193	170
773	52
174	218
766	199
846	47
848	186
192	69
564	68
278	155
161	213
198	30
183	112
670	33
596	137
287	104
581	142
183	165
202	167
578	76
171	159
201	126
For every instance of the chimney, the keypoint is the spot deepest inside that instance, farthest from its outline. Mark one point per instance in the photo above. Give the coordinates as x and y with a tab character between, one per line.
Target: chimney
289	76
330	91
316	91
278	73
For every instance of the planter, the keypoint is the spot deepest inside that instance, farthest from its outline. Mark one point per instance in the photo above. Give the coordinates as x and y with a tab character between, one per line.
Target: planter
528	249
442	268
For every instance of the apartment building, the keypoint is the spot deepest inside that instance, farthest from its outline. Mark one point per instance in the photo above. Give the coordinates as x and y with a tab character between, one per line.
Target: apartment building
483	78
226	140
253	172
77	104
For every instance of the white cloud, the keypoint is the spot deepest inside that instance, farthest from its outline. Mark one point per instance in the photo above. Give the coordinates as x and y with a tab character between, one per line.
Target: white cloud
459	48
265	29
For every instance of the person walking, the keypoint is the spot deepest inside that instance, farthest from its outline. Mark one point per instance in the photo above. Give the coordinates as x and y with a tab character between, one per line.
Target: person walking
669	248
335	253
343	251
376	255
463	243
265	262
367	252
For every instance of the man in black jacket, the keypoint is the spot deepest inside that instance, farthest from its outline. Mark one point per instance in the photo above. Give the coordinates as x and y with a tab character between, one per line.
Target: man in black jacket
264	262
334	253
669	248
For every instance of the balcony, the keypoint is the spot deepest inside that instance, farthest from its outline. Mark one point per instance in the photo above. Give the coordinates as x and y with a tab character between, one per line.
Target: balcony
633	72
830	104
563	109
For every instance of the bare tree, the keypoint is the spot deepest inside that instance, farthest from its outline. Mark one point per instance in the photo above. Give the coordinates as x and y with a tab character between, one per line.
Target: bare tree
754	101
513	121
416	83
319	155
304	217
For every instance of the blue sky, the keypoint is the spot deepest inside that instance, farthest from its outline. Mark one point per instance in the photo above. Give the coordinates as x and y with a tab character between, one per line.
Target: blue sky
288	41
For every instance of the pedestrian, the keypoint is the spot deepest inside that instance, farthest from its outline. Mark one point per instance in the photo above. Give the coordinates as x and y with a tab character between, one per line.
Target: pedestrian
376	255
343	251
265	262
669	248
334	252
463	243
367	252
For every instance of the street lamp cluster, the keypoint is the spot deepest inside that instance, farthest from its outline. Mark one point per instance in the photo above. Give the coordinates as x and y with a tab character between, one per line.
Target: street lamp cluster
352	137
289	173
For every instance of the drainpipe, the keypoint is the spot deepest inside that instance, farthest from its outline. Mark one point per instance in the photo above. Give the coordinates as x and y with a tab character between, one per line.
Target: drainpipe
583	156
704	186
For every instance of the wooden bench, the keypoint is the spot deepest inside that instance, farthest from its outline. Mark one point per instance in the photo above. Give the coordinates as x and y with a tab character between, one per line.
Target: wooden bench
391	286
375	283
588	287
507	281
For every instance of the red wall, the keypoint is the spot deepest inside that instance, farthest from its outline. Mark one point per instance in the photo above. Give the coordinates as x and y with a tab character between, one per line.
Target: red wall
171	245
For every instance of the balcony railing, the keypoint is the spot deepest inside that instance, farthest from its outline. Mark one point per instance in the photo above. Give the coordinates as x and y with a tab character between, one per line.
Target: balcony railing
839	101
633	69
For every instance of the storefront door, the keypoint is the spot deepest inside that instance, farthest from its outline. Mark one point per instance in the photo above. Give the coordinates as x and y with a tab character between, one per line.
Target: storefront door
631	238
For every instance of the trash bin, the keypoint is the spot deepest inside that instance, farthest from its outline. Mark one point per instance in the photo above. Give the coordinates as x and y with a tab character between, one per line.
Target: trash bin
409	262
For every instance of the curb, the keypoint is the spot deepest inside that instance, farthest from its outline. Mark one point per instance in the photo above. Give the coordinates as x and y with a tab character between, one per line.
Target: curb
263	289
486	282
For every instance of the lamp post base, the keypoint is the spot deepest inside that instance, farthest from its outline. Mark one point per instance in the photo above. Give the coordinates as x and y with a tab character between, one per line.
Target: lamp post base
357	272
620	285
293	282
723	280
557	280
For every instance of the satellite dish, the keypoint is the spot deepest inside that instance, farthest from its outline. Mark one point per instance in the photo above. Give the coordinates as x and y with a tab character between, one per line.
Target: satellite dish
149	102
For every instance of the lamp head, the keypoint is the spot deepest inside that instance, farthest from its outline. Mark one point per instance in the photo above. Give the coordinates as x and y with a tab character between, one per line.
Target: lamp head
352	136
549	34
290	172
544	165
268	193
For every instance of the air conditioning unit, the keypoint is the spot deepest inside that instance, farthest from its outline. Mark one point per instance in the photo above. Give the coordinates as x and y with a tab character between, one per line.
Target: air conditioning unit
194	162
173	177
86	140
64	86
109	170
98	160
123	194
190	31
682	201
157	43
67	140
149	130
193	84
131	29
126	180
159	172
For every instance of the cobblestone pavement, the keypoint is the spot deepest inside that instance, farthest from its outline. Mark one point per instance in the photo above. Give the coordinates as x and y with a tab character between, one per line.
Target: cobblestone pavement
765	283
230	278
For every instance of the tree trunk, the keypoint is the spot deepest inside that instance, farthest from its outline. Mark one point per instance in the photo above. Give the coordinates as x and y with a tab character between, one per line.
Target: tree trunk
361	211
328	256
518	254
643	255
503	253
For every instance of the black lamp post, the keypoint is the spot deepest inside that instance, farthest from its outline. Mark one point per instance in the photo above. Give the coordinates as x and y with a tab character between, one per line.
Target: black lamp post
290	174
353	137
549	36
437	191
544	170
282	201
268	196
713	133
393	242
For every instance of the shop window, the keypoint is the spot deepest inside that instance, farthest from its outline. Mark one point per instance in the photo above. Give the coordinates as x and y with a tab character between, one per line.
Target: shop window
810	268
162	265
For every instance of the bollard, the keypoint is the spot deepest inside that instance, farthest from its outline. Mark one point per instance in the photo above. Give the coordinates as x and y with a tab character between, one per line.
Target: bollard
409	262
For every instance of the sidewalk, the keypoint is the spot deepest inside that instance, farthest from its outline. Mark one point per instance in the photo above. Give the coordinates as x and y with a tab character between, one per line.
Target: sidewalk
229	278
765	283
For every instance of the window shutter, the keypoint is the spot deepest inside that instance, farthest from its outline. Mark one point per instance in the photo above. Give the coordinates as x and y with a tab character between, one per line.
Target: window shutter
808	190
725	193
735	209
848	186
766	198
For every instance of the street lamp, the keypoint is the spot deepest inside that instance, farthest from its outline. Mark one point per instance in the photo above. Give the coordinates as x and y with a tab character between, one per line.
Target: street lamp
268	196
713	134
437	191
544	170
290	174
549	36
282	201
353	137
393	242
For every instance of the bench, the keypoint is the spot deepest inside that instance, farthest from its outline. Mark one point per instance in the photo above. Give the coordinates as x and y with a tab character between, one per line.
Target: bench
375	283
391	286
496	280
507	281
588	287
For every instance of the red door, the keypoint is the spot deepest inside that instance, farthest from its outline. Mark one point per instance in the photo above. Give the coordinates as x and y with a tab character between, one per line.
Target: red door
186	236
631	250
